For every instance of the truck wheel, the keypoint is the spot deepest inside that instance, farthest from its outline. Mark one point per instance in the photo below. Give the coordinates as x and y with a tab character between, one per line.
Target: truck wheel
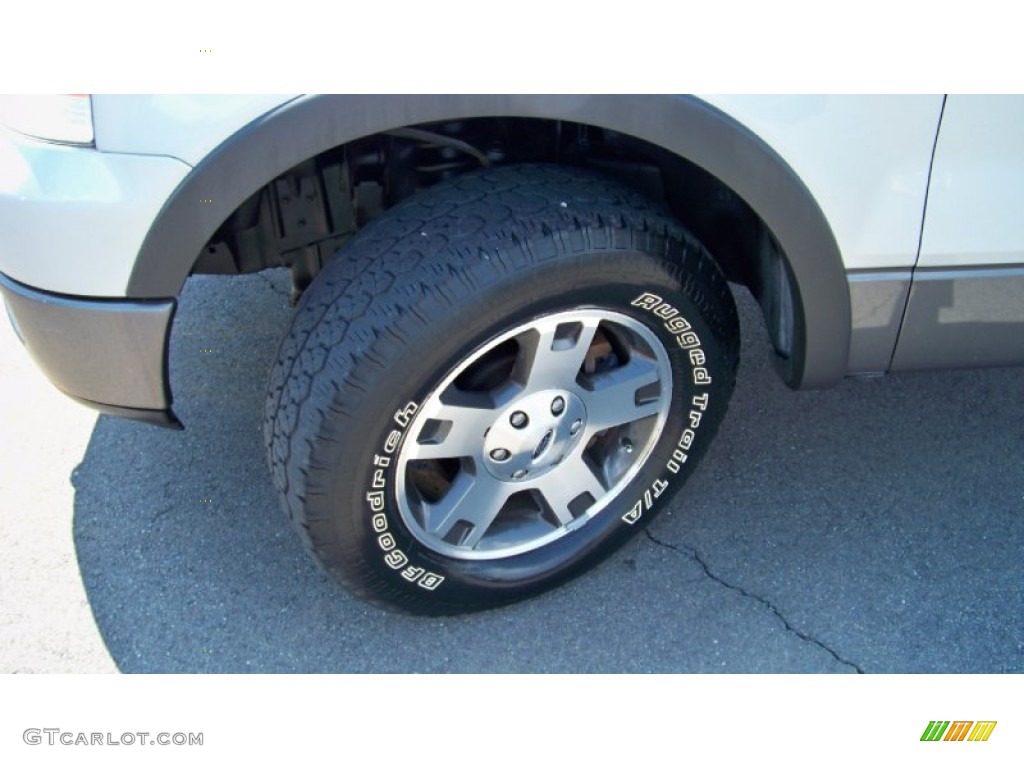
496	384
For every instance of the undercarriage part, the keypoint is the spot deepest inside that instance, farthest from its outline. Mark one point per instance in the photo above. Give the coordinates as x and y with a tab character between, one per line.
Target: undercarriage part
449	142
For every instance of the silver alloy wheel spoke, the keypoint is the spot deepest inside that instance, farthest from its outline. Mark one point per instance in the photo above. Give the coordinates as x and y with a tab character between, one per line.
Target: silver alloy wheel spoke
460	434
553	361
612	401
566	483
475	500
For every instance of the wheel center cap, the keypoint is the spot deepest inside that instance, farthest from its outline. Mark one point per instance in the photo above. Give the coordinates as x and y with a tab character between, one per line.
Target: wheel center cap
533	435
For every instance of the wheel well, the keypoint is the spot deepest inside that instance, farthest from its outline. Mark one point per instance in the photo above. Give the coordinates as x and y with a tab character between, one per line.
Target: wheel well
302	217
269	195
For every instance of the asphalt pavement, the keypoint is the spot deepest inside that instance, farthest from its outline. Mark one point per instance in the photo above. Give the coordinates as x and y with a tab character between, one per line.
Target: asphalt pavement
874	527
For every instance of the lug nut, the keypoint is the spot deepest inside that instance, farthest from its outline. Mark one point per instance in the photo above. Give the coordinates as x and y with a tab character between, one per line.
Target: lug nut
557	406
519	474
627	445
500	454
519	420
575	426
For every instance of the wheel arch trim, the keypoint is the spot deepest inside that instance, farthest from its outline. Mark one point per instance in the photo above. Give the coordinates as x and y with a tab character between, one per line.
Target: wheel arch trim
683	125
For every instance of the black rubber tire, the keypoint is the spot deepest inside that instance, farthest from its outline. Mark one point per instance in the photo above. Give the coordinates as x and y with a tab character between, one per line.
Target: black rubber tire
420	288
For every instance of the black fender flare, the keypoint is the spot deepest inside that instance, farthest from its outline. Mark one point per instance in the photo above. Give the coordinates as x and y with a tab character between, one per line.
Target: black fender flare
686	126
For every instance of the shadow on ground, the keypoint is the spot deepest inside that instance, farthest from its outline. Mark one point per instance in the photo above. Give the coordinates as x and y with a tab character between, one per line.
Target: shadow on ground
877	526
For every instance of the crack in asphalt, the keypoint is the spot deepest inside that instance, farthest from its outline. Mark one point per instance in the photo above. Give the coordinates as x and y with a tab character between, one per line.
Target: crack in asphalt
693	554
167	494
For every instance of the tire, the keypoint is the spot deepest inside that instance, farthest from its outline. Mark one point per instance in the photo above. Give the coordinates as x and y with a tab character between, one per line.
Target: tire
496	384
